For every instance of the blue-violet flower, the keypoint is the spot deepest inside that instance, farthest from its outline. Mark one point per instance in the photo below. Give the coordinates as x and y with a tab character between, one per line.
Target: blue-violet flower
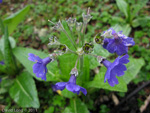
2	62
118	43
115	68
39	68
71	86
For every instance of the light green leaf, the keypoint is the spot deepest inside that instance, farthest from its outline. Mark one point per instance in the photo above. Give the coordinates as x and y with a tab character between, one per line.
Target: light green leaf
76	106
100	51
123	6
64	39
139	21
125	28
13	20
24	92
22	55
98	82
133	67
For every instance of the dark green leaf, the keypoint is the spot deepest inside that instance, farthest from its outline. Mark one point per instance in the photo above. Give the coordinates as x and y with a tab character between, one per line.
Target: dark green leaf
67	94
76	106
24	91
8	55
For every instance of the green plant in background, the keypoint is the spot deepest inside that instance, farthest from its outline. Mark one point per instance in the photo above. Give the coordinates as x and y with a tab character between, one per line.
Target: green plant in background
22	85
130	9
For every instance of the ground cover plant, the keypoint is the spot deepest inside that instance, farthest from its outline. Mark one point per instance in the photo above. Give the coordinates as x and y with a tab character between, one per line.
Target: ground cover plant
62	56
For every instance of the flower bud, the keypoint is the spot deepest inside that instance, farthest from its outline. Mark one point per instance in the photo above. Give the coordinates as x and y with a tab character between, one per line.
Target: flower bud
86	18
98	39
74	71
58	26
71	22
88	47
100	59
78	26
53	41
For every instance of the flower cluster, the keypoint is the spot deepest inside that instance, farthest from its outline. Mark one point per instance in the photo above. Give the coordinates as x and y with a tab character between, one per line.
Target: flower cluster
114	42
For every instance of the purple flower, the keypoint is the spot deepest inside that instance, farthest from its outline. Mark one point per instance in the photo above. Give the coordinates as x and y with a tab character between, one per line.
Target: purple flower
115	68
1	1
118	43
70	85
2	62
0	80
39	68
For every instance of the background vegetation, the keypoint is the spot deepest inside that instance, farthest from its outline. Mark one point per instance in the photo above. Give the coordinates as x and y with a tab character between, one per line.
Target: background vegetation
25	29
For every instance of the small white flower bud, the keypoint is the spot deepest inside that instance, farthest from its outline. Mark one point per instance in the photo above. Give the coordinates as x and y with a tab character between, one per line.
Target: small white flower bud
74	71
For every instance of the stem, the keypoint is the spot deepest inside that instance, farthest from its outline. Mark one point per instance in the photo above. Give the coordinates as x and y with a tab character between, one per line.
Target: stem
70	39
81	65
83	31
75	107
79	38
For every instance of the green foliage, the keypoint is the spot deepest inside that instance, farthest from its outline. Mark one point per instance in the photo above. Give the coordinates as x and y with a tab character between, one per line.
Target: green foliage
123	6
104	109
133	68
8	55
63	37
24	92
13	20
76	106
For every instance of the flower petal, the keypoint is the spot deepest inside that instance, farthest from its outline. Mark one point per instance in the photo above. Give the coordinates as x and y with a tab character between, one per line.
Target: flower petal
121	49
111	47
124	59
34	58
83	90
60	85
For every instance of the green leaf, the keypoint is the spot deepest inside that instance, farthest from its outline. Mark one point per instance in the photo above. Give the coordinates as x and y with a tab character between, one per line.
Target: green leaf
24	92
66	63
86	69
123	6
2	26
64	39
137	7
98	82
139	21
12	43
22	55
133	67
68	94
8	55
125	28
76	106
100	51
13	20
